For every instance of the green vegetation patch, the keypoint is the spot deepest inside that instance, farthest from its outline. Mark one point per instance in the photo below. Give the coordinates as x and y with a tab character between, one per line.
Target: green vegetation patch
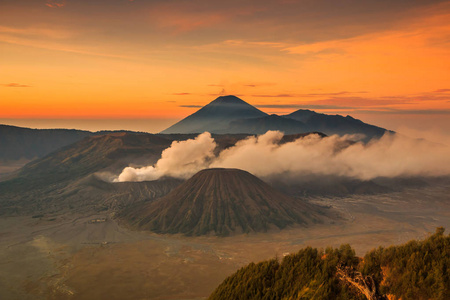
416	270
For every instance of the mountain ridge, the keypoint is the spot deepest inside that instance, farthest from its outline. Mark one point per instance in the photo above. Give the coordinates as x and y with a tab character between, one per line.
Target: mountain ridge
232	115
29	143
335	124
263	124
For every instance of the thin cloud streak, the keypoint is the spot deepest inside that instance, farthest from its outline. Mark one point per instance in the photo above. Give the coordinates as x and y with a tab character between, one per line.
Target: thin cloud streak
38	32
56	3
15	85
191	106
406	111
303	106
184	17
442	91
274	96
59	47
306	95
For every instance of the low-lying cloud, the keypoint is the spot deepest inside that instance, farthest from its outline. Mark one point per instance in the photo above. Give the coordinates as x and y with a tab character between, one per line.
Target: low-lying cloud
265	156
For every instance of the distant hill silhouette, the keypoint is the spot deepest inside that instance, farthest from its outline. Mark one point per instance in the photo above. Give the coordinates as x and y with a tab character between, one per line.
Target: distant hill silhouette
222	202
51	181
26	143
231	115
93	154
335	124
264	124
216	116
18	143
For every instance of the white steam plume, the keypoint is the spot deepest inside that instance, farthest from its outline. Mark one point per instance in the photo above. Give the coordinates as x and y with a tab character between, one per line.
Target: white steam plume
264	156
181	160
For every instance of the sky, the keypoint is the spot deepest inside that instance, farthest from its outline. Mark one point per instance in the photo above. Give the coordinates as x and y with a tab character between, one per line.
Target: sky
142	65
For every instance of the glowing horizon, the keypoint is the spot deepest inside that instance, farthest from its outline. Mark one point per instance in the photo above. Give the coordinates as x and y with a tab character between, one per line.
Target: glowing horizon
124	59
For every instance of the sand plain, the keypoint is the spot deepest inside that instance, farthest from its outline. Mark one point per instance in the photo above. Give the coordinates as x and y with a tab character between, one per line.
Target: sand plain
72	256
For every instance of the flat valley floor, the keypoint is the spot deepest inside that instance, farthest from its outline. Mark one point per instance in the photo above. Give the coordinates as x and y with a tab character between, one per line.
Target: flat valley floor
71	257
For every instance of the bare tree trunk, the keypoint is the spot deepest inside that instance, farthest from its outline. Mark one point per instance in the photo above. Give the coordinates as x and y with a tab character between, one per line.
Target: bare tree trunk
365	285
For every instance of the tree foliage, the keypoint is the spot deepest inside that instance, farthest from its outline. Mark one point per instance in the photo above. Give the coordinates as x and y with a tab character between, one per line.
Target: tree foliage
416	270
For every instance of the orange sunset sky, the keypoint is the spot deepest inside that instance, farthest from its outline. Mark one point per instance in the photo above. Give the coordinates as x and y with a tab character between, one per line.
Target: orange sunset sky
142	65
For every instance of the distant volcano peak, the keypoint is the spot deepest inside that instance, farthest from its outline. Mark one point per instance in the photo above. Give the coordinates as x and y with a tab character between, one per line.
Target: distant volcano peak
229	114
216	116
229	99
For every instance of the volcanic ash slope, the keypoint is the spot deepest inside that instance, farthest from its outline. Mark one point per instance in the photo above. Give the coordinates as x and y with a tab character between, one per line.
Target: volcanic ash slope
223	202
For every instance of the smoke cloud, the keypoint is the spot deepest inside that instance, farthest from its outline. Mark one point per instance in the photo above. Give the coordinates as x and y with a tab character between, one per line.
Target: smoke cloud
393	155
181	160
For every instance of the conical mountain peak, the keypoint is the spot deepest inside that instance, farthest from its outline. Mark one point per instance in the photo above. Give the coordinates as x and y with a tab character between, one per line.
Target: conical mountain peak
216	116
223	202
229	99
